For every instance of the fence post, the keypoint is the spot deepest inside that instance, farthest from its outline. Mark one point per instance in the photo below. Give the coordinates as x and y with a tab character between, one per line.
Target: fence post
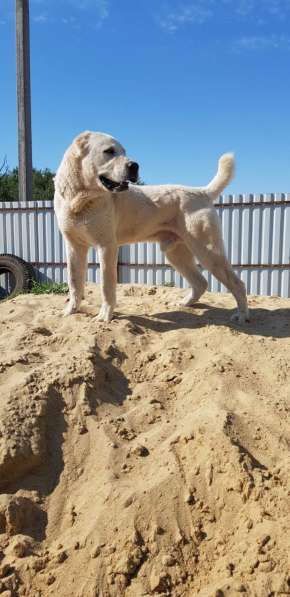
23	100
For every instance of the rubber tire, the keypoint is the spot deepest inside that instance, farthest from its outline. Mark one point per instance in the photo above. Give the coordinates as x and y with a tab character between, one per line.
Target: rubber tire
22	272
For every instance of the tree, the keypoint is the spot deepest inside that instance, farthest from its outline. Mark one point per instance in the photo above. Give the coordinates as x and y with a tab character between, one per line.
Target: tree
3	167
42	184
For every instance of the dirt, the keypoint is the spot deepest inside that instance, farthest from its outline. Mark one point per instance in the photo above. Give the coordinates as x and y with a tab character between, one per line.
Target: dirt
148	456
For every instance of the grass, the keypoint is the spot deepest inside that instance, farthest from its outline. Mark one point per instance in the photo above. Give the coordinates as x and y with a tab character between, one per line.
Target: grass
59	288
169	284
48	288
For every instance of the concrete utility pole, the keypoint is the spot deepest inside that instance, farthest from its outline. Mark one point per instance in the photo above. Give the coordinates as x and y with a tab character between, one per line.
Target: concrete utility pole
23	100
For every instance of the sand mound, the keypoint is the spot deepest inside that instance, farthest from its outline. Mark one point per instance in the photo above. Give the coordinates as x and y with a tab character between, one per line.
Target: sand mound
148	456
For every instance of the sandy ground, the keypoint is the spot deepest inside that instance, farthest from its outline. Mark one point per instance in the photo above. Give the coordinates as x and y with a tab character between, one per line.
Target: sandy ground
148	456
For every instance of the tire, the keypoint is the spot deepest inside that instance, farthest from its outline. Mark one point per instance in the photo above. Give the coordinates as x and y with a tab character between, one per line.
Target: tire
21	274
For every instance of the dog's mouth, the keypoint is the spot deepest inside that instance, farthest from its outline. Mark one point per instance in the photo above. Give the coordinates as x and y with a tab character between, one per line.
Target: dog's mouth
113	185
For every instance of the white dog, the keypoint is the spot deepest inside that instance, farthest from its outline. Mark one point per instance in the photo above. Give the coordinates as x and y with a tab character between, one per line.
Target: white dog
96	205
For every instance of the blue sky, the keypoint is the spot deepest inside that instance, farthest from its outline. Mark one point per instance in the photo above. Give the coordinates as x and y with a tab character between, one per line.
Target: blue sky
177	82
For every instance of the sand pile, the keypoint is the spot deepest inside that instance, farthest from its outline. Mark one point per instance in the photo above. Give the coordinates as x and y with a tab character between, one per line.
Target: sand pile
148	456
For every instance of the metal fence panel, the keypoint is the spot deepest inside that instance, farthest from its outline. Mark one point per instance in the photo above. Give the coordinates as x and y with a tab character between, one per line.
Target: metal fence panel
255	228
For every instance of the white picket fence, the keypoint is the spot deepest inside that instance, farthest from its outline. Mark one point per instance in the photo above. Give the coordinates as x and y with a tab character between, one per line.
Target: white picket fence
256	232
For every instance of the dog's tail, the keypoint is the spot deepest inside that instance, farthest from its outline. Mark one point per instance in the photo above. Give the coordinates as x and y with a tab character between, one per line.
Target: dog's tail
225	173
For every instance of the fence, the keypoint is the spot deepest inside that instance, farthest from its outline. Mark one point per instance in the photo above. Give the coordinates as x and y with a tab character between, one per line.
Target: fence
256	232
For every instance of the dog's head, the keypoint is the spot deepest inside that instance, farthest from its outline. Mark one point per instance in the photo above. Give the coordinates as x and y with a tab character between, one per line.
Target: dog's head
104	163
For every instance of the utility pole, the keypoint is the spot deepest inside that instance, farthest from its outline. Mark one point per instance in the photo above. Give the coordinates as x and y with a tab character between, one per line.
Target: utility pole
23	100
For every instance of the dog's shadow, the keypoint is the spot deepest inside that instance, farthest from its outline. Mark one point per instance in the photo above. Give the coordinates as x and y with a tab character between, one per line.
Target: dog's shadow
268	323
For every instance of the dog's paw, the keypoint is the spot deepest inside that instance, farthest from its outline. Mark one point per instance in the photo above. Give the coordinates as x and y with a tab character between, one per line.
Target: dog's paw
70	309
105	314
190	299
240	318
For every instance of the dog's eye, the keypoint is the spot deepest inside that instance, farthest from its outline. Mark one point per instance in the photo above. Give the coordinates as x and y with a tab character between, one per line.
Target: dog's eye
110	151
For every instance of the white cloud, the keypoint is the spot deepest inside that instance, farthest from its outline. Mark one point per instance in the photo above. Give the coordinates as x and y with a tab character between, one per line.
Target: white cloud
197	12
69	20
278	8
99	7
42	18
262	42
103	8
244	8
186	14
98	11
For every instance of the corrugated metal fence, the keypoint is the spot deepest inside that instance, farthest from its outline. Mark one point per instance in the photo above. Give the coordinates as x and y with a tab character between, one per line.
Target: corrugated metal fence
256	232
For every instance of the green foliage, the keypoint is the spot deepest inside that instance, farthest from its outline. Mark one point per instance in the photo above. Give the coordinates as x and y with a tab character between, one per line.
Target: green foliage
169	284
42	184
48	288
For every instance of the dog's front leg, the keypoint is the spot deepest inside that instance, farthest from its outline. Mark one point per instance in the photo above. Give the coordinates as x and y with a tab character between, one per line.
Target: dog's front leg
76	269
108	265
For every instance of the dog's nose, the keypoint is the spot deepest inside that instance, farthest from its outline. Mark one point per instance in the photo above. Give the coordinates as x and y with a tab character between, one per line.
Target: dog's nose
133	169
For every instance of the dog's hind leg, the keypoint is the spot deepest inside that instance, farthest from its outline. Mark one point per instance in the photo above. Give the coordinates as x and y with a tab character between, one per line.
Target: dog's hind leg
218	265
182	260
76	270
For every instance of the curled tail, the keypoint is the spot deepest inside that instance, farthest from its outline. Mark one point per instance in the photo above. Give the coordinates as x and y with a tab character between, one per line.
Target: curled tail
225	173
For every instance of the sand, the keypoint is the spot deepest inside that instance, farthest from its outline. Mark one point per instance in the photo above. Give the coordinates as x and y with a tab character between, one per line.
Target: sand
148	456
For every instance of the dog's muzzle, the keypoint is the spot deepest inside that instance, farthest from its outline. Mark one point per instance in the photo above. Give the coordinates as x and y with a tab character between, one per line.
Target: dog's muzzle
118	186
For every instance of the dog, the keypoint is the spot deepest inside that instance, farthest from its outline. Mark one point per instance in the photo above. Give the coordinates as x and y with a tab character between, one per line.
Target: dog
98	204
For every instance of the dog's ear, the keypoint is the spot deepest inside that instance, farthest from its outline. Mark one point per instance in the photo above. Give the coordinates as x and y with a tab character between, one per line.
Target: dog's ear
80	145
68	180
